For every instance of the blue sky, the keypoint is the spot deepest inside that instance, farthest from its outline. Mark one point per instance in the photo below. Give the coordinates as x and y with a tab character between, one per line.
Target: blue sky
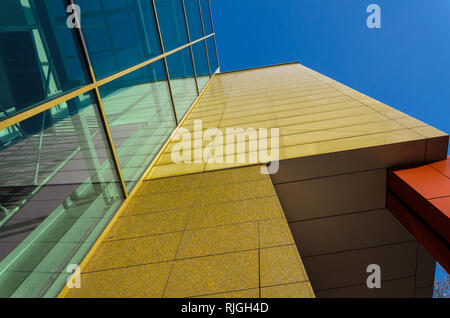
405	64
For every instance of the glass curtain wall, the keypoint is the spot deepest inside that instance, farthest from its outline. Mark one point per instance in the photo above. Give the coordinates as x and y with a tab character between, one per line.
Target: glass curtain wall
182	80
39	57
212	55
83	112
195	28
58	184
140	116
201	64
118	34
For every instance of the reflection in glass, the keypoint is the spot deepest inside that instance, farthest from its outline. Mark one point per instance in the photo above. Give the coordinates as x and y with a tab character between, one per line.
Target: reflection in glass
119	34
182	81
38	55
213	63
201	64
172	23
58	189
140	116
206	14
194	19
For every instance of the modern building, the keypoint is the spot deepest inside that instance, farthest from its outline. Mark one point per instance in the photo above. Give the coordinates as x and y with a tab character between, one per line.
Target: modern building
92	120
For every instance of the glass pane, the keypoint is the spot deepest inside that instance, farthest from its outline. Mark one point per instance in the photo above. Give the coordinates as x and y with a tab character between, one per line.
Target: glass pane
211	44
119	33
182	80
58	189
206	14
172	23
201	64
140	115
38	55
194	19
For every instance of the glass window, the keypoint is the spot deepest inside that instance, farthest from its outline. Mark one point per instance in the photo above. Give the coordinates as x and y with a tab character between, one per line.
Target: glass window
201	64
172	23
194	19
119	34
206	14
213	63
58	190
182	80
140	116
39	58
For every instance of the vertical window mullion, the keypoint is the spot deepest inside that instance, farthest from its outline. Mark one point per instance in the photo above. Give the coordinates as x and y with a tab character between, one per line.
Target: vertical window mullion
165	62
203	28
190	47
212	26
98	102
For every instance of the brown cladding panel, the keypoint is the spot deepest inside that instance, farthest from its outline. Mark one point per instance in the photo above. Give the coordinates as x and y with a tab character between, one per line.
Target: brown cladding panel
335	195
398	288
348	232
349	268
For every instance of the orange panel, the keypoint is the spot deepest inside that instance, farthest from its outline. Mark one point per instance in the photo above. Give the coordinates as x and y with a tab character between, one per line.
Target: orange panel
405	217
423	205
427	181
435	246
437	249
443	167
438	216
407	194
443	205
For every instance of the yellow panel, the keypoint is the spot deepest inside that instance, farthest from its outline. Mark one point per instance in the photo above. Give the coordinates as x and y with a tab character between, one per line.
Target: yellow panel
139	251
213	274
274	232
138	281
148	224
297	290
281	265
159	202
234	192
223	177
171	170
169	185
429	132
410	122
234	212
219	240
332	123
349	144
249	293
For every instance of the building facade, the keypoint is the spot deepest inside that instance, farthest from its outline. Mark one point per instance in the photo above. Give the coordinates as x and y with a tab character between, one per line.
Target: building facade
118	169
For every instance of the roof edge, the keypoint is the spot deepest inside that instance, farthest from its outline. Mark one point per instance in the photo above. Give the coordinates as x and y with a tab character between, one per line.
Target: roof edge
259	67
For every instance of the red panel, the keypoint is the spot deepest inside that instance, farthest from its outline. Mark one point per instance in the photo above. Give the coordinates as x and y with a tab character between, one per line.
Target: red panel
443	167
438	216
443	205
407	193
427	181
437	249
425	191
405	217
423	235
